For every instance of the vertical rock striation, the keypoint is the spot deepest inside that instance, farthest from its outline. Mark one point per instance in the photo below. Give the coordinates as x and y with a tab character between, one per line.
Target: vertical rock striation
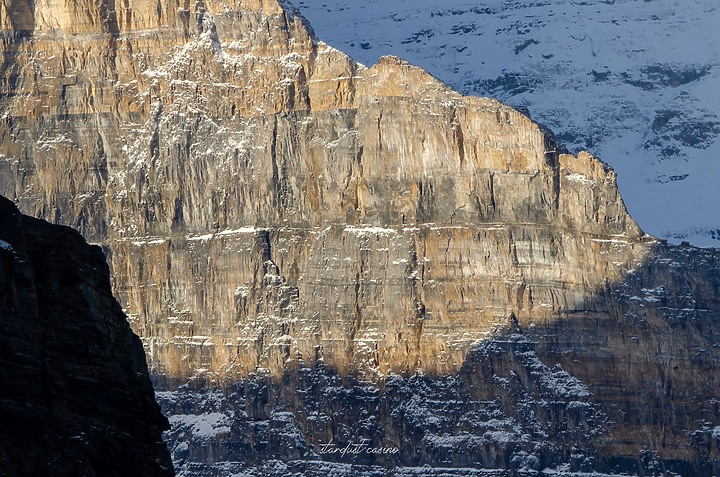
252	182
75	395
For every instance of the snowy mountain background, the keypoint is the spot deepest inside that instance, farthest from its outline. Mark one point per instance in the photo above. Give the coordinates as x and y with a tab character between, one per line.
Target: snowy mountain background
637	82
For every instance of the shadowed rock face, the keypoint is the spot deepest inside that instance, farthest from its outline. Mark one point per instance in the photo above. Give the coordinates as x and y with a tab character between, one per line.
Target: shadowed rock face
284	223
75	395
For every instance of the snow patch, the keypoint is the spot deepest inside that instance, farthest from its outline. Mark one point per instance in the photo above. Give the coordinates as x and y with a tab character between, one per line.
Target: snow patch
370	230
202	426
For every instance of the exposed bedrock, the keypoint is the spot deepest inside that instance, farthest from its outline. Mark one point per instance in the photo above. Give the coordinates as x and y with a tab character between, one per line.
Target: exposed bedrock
272	208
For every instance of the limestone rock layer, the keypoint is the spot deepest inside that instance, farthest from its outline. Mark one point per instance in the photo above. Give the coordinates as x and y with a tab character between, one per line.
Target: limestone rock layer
257	187
270	206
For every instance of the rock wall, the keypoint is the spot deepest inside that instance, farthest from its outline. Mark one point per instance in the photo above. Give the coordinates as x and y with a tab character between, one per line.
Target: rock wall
75	394
624	384
231	130
270	207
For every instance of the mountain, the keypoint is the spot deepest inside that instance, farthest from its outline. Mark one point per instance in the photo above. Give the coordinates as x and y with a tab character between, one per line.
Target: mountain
75	395
634	81
321	256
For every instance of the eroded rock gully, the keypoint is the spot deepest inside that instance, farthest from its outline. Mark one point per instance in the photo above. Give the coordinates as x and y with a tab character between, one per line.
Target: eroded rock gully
273	210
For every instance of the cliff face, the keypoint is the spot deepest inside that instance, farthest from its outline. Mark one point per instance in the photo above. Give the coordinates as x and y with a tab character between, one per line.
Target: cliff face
277	213
626	382
365	205
76	397
631	80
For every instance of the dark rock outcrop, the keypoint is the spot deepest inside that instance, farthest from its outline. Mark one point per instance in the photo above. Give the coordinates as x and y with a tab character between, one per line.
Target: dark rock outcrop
75	396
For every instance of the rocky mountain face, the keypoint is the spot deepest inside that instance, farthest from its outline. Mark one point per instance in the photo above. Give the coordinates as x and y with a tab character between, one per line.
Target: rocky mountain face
623	383
317	254
634	81
75	394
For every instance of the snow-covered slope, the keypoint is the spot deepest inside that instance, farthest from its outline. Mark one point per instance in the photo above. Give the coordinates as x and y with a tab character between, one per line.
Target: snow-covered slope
636	82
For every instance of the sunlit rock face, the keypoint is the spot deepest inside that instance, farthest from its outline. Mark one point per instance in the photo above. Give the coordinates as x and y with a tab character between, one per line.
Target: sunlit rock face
277	213
634	81
624	383
263	195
